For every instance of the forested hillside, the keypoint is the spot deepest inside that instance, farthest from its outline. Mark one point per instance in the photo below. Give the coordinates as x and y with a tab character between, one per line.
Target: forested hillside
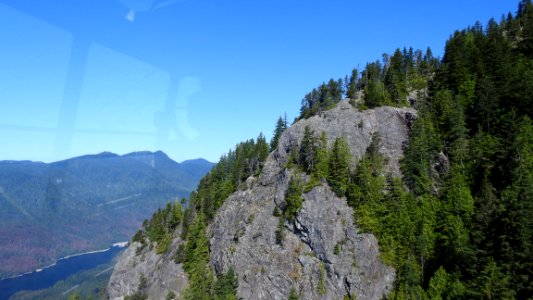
229	174
463	227
458	224
48	211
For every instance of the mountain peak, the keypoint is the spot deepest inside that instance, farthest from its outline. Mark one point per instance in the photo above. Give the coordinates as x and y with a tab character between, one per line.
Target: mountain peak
196	161
322	236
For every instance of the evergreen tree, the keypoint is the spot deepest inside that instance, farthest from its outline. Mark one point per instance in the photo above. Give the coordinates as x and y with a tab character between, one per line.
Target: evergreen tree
177	215
517	219
197	245
339	166
367	183
293	198
351	86
281	125
293	295
322	98
262	151
491	284
307	153
321	158
420	155
201	278
375	94
226	285
396	77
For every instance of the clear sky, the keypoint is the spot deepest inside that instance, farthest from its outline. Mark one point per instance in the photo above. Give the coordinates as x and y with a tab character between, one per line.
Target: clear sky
190	77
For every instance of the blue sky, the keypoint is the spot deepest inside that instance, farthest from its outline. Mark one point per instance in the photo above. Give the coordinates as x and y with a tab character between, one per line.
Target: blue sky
189	77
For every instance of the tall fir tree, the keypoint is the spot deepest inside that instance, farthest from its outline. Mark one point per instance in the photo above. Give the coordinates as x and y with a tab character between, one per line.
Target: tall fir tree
339	166
281	125
307	153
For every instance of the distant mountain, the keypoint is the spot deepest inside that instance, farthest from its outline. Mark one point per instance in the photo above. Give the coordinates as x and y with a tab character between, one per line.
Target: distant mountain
197	167
186	172
84	203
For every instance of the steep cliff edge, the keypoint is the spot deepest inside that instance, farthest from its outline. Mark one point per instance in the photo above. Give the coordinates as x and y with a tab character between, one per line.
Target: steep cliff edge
143	269
323	254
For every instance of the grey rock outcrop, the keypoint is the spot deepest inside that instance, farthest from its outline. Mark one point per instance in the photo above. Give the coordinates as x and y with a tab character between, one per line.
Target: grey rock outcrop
390	123
323	254
161	273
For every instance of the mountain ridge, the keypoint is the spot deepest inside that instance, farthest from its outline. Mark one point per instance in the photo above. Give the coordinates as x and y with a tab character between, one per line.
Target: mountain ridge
46	205
243	232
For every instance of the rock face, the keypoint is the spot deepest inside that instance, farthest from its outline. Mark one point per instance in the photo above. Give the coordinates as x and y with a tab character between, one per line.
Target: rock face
392	125
323	254
161	273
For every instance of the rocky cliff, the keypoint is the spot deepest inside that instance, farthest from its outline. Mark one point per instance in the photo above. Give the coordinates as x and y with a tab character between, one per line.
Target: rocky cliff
323	254
160	273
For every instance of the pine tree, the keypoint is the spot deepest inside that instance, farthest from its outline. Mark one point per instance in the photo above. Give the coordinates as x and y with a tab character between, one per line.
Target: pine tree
491	283
396	77
201	279
367	184
262	151
351	86
321	158
307	153
293	198
177	215
197	245
293	295
226	285
281	125
339	166
419	155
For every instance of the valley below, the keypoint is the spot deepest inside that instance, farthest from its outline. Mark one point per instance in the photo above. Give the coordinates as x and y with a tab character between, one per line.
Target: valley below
85	272
49	211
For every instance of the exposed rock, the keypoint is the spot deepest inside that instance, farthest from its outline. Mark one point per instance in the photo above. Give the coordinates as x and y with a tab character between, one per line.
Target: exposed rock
414	96
442	163
323	255
357	127
161	273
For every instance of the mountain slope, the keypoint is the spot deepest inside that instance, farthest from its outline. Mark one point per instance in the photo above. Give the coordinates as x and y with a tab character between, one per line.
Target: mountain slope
307	260
243	232
85	203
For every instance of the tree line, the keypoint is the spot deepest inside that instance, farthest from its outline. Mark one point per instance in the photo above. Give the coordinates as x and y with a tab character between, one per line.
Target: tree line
385	82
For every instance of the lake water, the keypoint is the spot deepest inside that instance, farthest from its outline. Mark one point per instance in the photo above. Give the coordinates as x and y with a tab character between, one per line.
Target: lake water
60	271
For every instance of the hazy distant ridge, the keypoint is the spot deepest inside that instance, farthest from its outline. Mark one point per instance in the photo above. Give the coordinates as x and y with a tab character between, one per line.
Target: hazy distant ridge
50	210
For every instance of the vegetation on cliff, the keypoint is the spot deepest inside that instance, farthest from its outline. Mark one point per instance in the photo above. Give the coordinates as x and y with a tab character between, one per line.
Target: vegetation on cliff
458	224
226	177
